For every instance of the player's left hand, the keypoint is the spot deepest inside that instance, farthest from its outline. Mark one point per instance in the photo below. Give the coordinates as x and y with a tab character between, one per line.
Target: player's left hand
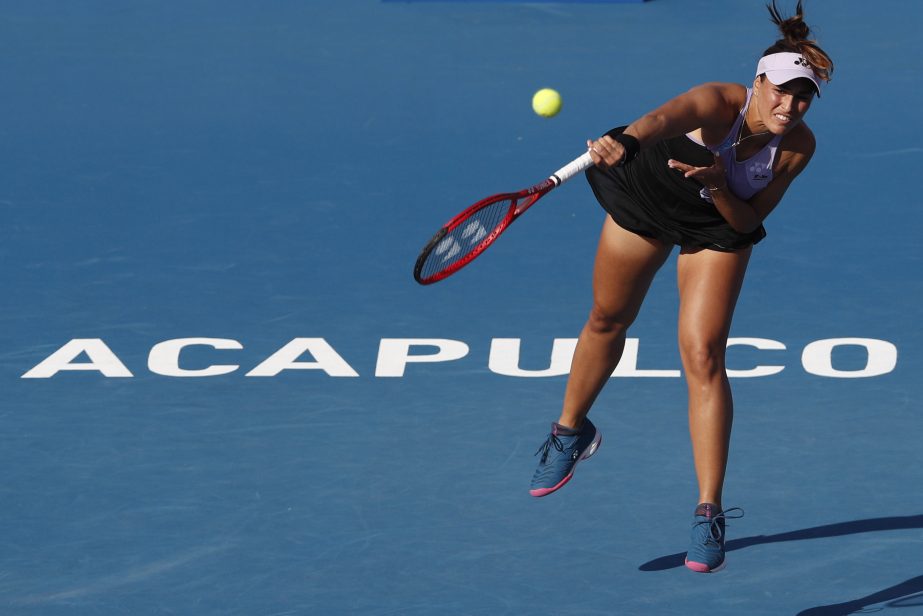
707	176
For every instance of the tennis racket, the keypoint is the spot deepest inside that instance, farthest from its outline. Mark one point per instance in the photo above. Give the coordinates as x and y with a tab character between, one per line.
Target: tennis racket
469	234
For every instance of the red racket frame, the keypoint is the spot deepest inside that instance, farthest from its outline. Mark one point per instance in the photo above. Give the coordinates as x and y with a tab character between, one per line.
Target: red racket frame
519	203
517	208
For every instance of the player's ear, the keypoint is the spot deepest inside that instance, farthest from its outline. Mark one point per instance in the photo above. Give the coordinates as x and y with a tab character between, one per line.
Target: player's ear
757	81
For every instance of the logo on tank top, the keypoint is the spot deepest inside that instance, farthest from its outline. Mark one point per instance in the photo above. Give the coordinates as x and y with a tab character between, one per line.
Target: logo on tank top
758	172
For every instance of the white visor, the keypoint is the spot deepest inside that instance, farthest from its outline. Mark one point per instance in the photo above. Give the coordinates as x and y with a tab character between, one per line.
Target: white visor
782	67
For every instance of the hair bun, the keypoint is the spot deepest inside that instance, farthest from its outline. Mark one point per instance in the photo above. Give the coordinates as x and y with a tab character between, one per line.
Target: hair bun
793	29
796	38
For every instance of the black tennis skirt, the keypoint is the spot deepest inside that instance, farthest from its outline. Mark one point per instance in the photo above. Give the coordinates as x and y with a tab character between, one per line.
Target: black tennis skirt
648	198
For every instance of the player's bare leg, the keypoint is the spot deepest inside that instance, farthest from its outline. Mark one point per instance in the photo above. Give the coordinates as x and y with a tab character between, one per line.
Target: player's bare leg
709	285
625	266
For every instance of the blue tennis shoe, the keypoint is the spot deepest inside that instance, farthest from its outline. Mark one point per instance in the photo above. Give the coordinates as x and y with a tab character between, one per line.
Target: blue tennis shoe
561	452
706	550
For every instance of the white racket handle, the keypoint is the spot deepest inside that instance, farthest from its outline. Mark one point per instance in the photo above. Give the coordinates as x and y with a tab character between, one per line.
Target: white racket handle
571	169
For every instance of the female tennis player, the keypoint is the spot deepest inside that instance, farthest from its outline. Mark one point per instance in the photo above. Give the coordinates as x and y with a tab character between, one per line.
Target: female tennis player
702	172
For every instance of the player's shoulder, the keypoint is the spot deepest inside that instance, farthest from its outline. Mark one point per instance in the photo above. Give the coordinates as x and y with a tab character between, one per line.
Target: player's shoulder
800	140
720	103
732	94
797	148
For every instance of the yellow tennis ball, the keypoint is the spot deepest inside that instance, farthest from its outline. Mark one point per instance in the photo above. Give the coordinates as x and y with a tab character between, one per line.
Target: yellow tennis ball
546	102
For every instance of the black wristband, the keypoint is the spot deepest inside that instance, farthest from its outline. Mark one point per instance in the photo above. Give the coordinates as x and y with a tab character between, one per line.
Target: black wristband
632	146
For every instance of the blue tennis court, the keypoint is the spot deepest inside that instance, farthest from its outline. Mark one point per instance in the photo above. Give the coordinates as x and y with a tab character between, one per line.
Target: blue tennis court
223	393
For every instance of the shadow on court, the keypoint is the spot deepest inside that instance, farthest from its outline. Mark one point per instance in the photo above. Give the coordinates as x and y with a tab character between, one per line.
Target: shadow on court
905	594
817	532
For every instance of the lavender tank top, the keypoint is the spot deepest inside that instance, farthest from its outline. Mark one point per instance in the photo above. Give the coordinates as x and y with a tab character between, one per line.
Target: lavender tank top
747	177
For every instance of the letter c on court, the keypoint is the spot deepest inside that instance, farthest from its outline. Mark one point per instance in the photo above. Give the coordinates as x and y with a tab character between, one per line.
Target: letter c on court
164	357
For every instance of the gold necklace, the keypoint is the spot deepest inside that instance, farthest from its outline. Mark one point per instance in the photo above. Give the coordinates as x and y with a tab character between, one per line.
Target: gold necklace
741	129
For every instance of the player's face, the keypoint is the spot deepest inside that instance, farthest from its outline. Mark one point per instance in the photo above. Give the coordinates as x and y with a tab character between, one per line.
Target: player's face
782	107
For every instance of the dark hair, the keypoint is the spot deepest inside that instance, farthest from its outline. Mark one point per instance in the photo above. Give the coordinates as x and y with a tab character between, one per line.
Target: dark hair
795	33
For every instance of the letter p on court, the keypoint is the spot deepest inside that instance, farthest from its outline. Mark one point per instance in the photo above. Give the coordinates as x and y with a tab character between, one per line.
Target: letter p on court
394	353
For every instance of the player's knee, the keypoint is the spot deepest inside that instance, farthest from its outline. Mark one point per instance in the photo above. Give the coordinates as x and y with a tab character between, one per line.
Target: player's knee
602	321
702	359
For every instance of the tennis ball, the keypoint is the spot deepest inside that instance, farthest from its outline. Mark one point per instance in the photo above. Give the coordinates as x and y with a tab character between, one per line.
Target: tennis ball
546	102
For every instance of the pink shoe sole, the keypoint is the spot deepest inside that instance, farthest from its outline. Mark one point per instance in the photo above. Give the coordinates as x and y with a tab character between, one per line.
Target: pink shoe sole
703	568
589	453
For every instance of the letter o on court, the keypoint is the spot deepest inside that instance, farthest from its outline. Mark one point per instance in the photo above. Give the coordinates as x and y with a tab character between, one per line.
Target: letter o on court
817	357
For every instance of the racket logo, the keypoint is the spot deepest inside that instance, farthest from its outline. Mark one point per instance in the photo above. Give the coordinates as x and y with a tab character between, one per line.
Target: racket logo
472	234
447	248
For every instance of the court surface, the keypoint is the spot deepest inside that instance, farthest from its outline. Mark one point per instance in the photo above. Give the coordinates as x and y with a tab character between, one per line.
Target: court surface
254	180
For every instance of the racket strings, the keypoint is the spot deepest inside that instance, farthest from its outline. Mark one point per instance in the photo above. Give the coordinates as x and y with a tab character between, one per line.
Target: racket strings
466	237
